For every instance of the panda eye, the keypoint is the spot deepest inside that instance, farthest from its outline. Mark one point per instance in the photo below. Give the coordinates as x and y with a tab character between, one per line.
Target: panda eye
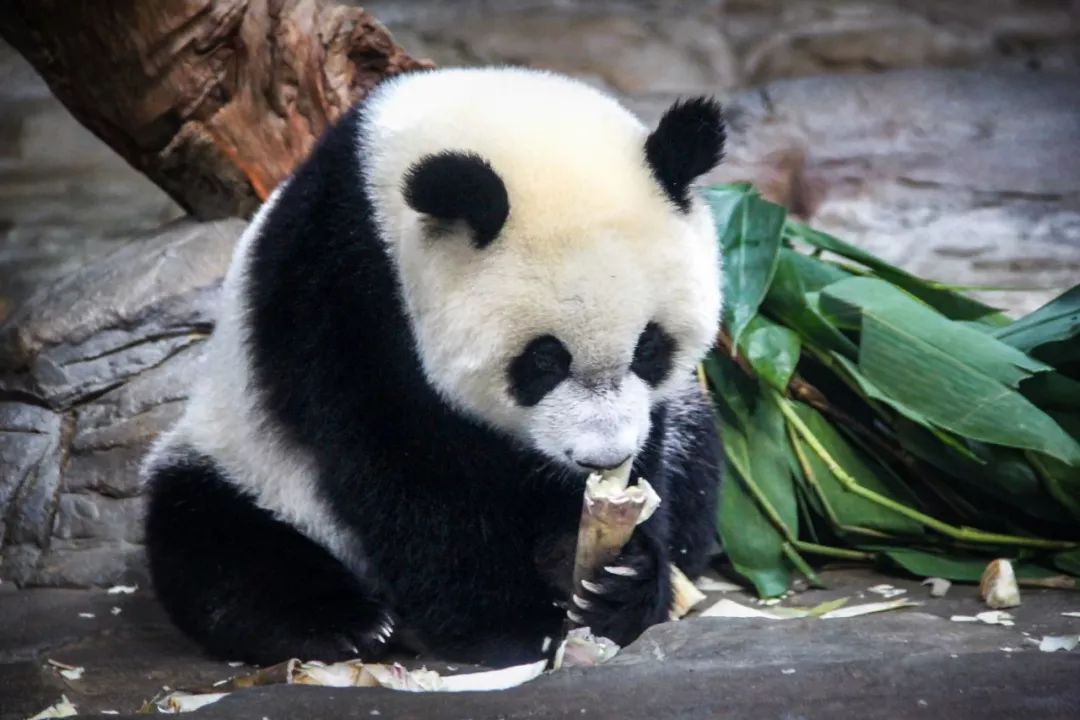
543	364
653	354
548	357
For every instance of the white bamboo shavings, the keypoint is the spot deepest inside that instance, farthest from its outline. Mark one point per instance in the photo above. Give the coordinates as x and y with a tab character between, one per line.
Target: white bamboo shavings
1072	614
887	591
938	586
88	616
990	617
181	702
1053	643
708	584
730	609
355	673
851	611
64	708
996	617
114	610
495	679
122	589
832	610
70	672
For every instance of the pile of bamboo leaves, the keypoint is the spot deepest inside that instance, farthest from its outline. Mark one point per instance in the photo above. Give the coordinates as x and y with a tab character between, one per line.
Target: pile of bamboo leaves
867	414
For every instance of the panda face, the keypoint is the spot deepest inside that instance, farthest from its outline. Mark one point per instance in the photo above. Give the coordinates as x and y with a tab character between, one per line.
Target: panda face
596	420
559	277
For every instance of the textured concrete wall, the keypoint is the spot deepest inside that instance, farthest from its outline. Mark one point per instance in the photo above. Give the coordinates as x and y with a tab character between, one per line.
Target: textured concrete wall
943	136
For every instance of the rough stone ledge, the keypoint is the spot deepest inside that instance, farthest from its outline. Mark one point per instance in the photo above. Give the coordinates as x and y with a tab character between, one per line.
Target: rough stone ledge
906	664
92	368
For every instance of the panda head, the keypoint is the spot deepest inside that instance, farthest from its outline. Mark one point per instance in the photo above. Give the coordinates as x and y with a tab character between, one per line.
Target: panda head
560	277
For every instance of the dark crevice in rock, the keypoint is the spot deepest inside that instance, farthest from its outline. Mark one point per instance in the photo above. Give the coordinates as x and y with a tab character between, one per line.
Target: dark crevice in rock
25	397
193	333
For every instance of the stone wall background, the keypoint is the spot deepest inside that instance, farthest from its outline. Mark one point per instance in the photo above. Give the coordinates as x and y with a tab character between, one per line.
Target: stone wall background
943	136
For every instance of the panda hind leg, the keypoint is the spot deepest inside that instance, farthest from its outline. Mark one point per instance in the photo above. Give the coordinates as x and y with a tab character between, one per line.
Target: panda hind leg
246	585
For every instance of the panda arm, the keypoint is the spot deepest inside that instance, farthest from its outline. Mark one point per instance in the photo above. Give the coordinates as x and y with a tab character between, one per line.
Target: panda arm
695	480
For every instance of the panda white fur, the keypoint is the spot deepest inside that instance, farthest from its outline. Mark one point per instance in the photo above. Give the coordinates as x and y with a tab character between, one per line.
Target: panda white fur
481	284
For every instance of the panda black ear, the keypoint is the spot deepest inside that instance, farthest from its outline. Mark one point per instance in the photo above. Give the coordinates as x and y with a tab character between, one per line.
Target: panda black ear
688	142
459	186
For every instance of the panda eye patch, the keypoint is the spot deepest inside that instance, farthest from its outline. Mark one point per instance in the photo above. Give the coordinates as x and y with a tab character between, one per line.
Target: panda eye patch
653	354
543	364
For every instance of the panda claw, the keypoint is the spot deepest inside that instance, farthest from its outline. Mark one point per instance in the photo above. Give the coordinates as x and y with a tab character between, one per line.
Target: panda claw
574	617
621	570
592	587
581	602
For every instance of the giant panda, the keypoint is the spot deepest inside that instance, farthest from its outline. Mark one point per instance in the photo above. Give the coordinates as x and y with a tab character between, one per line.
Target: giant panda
481	286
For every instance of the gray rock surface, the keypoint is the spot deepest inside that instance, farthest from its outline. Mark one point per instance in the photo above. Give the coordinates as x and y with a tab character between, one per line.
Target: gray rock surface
64	196
905	664
967	177
92	368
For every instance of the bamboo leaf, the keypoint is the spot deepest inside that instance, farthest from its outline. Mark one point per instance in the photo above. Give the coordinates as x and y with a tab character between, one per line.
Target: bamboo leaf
758	513
954	566
951	304
750	541
1056	322
786	301
956	377
1062	481
1069	561
772	351
750	230
988	471
851	509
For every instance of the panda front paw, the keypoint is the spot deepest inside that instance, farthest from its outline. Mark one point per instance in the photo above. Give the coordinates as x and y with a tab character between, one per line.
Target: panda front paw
332	631
621	600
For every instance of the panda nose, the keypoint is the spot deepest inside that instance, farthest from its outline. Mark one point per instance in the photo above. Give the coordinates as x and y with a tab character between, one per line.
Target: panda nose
601	464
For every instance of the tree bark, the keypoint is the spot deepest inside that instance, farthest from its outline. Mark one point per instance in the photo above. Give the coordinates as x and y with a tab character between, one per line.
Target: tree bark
215	100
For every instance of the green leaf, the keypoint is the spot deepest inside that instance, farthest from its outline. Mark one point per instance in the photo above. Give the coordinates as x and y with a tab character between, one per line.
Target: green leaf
750	541
1052	390
796	276
750	230
772	350
871	391
952	375
758	498
951	304
1057	321
1069	561
1062	482
987	471
953	566
848	508
928	564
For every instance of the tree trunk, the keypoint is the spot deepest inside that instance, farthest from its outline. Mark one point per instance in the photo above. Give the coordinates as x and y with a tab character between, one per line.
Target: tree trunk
215	100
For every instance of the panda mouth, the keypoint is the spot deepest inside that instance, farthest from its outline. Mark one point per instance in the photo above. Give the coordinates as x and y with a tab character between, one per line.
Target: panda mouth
600	466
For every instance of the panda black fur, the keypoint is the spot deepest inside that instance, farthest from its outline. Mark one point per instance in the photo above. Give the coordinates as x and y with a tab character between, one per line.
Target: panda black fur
480	284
